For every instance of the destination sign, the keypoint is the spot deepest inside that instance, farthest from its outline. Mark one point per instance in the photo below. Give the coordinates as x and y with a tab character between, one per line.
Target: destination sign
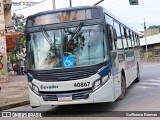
58	18
63	16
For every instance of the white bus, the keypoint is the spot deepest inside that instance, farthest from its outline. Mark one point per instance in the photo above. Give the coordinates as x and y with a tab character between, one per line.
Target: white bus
80	55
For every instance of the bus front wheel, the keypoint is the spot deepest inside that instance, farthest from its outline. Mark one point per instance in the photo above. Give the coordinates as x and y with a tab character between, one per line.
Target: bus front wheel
123	88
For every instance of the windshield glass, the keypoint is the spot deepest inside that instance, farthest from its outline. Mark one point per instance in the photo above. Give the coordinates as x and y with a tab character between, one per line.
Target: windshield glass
69	47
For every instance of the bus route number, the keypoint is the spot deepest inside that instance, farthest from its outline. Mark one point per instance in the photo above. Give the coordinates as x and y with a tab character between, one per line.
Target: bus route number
82	84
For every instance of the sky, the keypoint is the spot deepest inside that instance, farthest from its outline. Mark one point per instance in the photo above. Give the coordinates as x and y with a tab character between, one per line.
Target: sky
132	15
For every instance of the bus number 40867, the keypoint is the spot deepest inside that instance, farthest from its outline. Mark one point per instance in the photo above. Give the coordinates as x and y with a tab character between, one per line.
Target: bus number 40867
82	84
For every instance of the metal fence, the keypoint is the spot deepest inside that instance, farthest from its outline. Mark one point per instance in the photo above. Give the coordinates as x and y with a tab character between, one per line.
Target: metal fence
153	55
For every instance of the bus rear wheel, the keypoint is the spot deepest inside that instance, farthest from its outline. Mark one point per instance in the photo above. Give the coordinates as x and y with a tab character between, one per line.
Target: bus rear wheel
138	75
123	88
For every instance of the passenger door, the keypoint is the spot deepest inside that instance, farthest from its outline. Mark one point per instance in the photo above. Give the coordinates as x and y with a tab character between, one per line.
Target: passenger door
114	60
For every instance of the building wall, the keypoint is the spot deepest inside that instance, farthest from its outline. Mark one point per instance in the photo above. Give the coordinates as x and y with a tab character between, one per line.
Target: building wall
7	13
5	20
153	49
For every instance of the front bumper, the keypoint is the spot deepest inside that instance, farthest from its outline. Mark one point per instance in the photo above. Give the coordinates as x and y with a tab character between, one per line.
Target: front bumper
104	94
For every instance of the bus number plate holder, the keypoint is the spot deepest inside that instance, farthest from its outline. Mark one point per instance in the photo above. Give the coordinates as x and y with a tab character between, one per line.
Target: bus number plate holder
63	98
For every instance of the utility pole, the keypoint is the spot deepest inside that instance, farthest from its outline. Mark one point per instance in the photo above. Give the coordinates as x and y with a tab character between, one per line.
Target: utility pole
53	4
145	40
70	3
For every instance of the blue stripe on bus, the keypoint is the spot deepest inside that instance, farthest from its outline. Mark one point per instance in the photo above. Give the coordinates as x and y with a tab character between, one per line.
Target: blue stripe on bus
104	71
29	77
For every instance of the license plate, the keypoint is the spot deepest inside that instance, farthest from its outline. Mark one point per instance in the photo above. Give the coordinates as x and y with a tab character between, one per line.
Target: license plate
64	98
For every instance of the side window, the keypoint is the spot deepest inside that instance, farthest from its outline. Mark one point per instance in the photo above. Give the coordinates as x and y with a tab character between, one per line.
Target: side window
119	40
133	39
123	38
109	22
138	42
111	38
129	40
130	37
133	36
126	36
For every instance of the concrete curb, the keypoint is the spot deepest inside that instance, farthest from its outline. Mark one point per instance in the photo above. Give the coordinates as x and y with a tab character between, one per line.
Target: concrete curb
13	105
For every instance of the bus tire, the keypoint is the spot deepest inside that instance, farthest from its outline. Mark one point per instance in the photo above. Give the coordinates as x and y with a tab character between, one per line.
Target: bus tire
123	88
138	74
34	106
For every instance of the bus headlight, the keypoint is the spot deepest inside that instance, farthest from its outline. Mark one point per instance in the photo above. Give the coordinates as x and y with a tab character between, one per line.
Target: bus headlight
34	88
30	85
98	83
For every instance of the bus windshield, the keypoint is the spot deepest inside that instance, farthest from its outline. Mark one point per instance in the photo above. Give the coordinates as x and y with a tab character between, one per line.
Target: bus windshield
68	47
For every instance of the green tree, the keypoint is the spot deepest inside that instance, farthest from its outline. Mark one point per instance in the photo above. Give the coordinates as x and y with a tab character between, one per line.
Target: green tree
12	59
19	21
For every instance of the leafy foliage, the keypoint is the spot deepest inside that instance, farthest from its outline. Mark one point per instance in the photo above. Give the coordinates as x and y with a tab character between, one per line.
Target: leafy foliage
12	59
18	22
154	26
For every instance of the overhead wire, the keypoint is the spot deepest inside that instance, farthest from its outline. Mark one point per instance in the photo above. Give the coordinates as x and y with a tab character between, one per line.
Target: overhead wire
29	6
3	13
22	8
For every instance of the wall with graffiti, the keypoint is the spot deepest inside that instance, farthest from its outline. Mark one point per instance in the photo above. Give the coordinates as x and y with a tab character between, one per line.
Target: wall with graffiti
3	60
4	21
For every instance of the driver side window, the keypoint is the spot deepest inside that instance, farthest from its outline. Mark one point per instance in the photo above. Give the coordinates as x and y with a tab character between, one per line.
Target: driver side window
111	38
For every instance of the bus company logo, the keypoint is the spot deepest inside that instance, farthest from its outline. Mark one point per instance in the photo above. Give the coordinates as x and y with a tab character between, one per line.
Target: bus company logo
48	87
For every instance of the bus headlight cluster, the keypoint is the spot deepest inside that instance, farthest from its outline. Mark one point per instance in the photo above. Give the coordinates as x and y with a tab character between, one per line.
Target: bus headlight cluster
98	83
34	88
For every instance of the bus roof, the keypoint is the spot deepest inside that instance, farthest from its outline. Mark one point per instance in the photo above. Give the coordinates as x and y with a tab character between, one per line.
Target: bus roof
85	7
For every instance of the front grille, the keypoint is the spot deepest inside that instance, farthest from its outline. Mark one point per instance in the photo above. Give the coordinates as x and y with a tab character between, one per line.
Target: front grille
76	95
61	76
80	96
66	74
49	97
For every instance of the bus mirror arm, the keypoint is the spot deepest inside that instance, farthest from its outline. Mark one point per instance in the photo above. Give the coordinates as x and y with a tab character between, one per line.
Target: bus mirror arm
78	30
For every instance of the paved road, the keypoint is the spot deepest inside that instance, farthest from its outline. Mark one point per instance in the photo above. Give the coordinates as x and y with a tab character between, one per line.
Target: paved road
142	96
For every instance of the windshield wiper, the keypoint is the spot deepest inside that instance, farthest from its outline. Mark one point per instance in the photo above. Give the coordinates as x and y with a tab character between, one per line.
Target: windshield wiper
49	40
78	29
